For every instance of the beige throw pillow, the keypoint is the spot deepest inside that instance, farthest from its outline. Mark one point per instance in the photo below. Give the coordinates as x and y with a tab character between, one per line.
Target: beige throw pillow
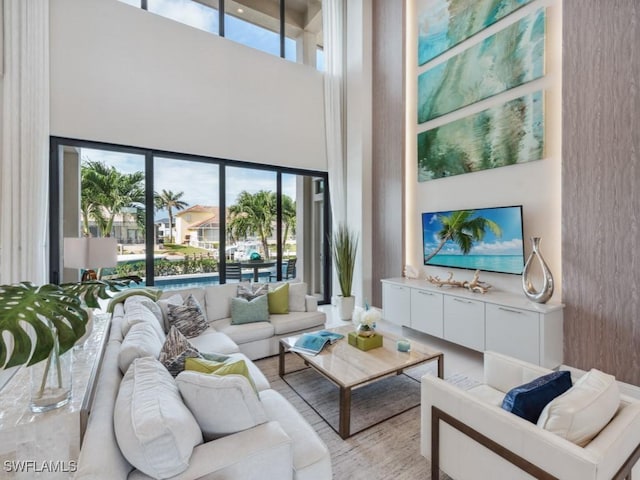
582	411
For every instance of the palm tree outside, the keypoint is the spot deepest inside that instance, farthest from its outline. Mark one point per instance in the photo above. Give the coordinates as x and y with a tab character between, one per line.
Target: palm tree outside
463	229
106	193
255	214
168	200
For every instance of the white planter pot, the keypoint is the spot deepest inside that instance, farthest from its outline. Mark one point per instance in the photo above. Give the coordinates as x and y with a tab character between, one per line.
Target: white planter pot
345	307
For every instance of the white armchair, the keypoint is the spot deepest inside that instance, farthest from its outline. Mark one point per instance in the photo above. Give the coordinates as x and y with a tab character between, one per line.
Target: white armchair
467	435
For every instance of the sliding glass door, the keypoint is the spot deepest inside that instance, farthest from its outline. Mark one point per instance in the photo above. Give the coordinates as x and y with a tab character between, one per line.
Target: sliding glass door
182	220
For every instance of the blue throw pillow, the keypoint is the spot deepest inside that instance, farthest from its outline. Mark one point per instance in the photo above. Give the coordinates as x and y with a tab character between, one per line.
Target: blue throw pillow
528	400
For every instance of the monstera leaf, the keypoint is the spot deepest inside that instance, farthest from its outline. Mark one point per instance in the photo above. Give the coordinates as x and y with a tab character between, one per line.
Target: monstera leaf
25	307
91	290
46	311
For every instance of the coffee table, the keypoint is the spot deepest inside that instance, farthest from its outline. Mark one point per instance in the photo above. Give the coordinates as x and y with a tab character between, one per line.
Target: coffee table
348	367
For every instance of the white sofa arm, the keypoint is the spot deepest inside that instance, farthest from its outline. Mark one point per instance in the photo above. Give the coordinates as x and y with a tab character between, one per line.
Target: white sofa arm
618	439
543	449
311	303
504	373
261	452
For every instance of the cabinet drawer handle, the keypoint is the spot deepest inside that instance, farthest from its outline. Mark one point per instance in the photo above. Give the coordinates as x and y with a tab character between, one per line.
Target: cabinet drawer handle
426	293
519	312
459	300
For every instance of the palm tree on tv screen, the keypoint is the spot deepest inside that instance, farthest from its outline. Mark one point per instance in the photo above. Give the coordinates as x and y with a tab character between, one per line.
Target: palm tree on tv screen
168	200
463	229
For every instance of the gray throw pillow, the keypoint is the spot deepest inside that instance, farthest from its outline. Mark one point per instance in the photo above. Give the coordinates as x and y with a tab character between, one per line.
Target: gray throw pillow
188	317
245	311
249	291
175	351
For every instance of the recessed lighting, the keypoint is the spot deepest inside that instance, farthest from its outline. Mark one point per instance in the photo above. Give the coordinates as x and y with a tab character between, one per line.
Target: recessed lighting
240	10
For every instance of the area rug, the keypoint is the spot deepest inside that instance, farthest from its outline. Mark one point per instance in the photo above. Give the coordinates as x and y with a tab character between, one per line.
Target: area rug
370	404
389	450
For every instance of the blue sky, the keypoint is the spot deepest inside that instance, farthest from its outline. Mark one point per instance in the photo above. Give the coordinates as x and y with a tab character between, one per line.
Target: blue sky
510	243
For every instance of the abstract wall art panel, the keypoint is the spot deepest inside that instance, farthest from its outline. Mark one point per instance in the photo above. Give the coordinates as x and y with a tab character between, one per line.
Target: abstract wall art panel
504	135
443	24
509	58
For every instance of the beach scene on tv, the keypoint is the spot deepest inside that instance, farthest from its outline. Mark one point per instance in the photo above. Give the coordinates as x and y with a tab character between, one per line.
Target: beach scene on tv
488	239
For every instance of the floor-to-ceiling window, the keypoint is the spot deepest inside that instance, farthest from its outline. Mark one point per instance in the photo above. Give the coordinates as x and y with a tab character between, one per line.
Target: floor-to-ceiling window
183	220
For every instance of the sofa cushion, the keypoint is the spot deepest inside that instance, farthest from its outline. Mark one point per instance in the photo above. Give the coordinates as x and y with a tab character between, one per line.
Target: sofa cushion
175	351
297	297
528	400
487	394
155	431
188	318
218	300
226	367
582	411
211	341
278	299
307	446
221	405
249	291
247	332
163	303
197	292
147	303
137	313
141	341
249	311
296	321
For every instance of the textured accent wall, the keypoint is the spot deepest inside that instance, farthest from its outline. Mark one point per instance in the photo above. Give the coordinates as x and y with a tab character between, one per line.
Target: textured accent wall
600	186
388	143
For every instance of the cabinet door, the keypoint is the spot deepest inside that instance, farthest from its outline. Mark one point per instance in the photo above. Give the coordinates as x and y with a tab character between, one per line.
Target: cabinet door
464	322
426	312
513	332
396	304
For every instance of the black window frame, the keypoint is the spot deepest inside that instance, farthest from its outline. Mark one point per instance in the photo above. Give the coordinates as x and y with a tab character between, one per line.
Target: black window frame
56	143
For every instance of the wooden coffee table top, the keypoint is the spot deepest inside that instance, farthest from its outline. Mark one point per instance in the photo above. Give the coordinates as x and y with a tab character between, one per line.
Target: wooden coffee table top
349	366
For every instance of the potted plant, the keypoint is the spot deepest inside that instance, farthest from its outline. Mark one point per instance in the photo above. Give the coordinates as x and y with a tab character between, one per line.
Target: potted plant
43	322
345	246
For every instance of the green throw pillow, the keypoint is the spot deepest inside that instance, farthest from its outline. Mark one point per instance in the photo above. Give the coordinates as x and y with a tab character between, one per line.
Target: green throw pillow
244	311
279	299
237	367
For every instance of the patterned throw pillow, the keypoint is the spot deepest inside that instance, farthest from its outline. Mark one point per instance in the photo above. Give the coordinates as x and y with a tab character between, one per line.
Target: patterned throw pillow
249	291
188	317
175	351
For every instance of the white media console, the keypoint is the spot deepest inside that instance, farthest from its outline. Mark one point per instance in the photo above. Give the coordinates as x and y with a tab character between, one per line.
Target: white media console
499	321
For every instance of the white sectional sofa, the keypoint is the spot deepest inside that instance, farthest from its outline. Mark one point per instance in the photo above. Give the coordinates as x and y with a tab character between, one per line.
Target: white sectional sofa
281	445
260	339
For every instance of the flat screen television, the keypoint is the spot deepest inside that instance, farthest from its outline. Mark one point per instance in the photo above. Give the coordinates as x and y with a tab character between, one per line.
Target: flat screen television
488	239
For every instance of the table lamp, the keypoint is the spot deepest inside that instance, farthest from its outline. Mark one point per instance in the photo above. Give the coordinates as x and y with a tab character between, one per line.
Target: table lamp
89	253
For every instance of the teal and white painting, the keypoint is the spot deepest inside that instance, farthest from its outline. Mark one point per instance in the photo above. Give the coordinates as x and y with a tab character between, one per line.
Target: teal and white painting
504	135
443	24
509	58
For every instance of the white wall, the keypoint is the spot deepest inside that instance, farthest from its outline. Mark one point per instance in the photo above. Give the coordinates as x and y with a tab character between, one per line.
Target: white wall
126	76
534	185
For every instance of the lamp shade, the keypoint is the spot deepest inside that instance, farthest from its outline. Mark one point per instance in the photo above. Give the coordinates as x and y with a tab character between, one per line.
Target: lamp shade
90	252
